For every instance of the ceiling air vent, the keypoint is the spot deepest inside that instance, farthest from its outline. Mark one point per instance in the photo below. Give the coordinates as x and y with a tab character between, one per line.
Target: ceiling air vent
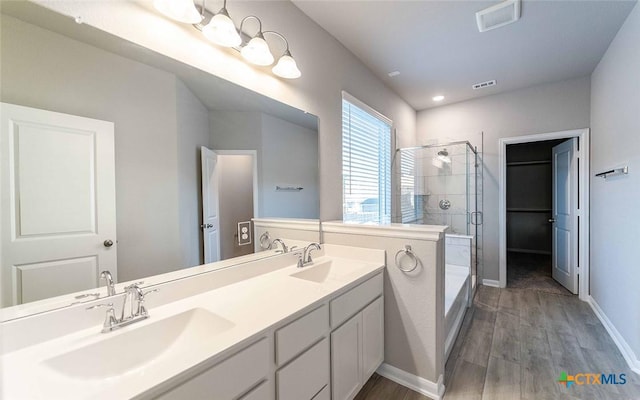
499	15
483	85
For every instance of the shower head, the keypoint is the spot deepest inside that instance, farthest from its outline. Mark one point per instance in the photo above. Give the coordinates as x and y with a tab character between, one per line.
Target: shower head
443	156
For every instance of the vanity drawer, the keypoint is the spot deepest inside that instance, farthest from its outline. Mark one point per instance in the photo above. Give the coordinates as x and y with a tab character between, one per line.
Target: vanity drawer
348	305
305	376
228	379
292	339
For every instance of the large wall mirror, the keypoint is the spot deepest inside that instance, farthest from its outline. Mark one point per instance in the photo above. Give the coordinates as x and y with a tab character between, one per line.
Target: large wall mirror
116	157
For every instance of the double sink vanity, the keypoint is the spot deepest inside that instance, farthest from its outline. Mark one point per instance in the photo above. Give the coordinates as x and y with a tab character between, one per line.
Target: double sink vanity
270	330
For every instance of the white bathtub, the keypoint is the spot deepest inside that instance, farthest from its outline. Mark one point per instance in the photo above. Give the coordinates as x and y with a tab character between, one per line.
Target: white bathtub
457	285
456	298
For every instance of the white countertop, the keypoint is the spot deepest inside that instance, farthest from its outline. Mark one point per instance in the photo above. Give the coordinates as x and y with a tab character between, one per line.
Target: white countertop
253	305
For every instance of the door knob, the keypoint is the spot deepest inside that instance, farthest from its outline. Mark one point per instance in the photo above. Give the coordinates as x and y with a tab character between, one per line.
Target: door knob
206	226
108	243
552	220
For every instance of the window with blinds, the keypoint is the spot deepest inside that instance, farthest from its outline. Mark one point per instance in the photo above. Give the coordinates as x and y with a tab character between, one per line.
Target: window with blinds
366	164
408	199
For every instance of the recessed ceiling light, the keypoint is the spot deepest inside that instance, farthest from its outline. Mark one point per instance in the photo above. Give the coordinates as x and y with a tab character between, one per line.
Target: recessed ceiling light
438	98
394	73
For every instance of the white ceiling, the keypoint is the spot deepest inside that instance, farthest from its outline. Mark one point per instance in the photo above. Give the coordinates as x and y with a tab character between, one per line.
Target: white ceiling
436	46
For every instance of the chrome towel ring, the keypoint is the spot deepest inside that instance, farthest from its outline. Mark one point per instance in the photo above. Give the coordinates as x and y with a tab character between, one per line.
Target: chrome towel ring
409	253
265	241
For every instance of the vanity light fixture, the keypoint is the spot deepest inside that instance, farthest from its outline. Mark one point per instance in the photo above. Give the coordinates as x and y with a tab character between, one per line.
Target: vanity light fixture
179	10
257	50
286	67
221	30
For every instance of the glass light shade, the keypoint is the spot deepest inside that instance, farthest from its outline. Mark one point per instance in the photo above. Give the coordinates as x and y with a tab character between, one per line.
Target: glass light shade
222	31
287	68
180	10
257	51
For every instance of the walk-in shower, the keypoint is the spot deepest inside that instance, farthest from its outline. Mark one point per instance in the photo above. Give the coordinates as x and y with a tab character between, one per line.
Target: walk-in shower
441	185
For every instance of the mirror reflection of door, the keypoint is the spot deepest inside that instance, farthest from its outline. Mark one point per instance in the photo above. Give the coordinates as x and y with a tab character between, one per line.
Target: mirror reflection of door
57	203
229	190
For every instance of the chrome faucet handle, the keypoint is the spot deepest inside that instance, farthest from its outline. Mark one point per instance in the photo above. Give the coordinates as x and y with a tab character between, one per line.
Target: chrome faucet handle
142	310
150	291
84	296
110	319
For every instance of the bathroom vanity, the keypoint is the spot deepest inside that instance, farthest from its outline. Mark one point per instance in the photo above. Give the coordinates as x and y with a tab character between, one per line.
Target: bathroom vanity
315	332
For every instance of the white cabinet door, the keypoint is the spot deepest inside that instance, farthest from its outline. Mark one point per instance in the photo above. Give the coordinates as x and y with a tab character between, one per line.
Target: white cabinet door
57	203
346	372
372	338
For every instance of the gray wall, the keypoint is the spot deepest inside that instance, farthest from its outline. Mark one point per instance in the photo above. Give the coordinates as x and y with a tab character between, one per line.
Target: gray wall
192	132
539	109
289	157
287	154
236	202
615	141
45	70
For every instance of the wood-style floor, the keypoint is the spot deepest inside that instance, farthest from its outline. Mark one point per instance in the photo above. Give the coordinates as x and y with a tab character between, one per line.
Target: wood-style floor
515	343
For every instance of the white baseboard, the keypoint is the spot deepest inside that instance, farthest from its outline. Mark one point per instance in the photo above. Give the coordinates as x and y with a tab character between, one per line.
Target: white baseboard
630	357
434	390
491	282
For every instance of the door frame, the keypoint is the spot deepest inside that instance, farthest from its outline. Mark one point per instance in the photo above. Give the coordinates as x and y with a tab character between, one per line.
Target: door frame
583	198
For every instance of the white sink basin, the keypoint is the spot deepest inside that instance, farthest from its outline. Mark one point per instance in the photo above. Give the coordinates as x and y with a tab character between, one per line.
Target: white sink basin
330	270
122	352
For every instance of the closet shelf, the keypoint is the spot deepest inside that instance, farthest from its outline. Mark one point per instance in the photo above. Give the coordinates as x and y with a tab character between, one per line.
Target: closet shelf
529	210
524	163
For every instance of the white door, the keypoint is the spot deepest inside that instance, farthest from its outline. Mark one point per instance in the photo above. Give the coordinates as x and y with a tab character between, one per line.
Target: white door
565	214
210	206
57	203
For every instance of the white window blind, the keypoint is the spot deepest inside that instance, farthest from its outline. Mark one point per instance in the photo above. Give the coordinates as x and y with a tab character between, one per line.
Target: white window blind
366	165
408	206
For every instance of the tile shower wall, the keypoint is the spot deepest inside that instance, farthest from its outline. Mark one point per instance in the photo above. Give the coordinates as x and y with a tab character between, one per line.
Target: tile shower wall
425	182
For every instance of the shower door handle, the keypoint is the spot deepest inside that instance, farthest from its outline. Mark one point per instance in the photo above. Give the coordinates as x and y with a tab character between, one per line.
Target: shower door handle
476	218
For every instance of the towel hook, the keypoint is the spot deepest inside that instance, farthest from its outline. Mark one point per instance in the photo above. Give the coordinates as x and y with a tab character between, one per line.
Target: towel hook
407	252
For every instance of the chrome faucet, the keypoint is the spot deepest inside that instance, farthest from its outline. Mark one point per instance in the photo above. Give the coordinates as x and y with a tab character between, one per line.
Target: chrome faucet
306	254
285	249
133	309
133	293
111	288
